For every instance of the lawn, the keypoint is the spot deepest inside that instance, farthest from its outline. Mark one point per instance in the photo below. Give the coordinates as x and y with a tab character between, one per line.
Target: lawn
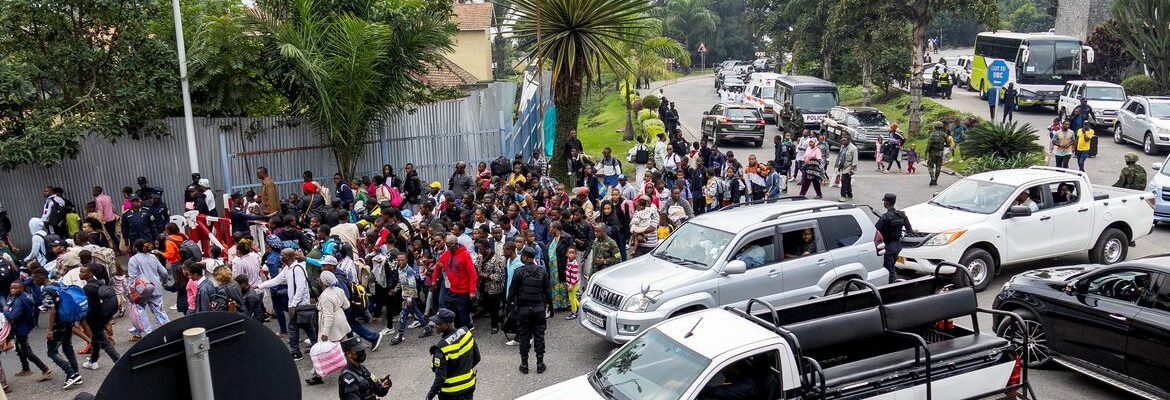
895	103
603	119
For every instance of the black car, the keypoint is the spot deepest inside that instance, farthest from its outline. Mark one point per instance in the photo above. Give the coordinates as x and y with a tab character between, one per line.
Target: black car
734	122
863	125
1109	322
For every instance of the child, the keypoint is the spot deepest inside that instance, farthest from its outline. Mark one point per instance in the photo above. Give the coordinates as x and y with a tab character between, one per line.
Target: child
878	152
911	157
572	281
408	283
118	281
664	227
21	314
253	300
192	287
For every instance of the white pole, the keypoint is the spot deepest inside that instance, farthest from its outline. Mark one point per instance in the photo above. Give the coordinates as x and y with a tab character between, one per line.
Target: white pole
196	347
188	120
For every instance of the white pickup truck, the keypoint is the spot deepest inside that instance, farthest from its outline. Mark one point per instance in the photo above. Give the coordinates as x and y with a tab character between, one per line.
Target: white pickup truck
1019	215
899	342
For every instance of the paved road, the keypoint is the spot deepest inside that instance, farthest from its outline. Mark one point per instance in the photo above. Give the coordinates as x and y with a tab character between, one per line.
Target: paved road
572	351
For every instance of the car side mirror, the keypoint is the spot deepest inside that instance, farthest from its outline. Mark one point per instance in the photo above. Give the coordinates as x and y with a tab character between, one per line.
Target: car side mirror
1156	166
735	267
1141	117
1019	211
706	112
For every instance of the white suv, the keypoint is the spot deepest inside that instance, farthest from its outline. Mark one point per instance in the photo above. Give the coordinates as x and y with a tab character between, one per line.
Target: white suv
1145	120
1105	98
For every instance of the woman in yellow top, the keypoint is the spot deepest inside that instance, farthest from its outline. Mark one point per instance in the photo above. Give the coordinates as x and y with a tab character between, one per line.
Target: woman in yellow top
1084	144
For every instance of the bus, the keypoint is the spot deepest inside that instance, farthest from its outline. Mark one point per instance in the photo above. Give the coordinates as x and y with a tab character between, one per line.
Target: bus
1040	63
813	96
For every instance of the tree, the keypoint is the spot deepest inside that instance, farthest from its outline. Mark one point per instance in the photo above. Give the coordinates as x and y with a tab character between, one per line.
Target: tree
735	40
862	23
1112	63
1144	29
646	53
1028	18
226	79
71	70
345	66
573	39
688	20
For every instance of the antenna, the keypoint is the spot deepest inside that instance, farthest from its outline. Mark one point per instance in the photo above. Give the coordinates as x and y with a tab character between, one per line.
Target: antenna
692	331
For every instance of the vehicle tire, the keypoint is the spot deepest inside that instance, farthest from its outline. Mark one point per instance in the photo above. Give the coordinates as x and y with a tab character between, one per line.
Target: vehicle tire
839	286
1039	355
758	143
982	93
1111	248
1148	146
982	267
1117	136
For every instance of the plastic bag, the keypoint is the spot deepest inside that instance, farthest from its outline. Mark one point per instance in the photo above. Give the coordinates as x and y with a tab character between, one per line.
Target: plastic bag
327	358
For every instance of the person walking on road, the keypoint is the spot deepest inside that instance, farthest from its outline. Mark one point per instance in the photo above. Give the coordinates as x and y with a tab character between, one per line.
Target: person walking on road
1010	97
455	267
1085	137
529	299
935	145
846	167
992	99
812	169
453	360
1081	115
1062	145
893	149
1133	176
891	225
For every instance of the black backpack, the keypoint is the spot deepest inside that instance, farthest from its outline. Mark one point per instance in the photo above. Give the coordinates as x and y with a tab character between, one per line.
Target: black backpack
109	301
641	155
56	214
8	273
501	166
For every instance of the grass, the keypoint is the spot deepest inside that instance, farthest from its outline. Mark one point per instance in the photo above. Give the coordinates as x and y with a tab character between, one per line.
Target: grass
895	103
601	125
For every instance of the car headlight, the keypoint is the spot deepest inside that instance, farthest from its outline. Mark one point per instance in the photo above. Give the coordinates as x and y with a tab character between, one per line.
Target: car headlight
641	301
945	237
1164	130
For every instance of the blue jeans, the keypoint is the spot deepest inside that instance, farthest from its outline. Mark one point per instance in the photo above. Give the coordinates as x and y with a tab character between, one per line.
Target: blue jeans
63	340
409	310
1081	156
359	329
280	309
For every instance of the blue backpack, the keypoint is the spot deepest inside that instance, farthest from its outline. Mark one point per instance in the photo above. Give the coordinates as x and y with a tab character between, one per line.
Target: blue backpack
73	305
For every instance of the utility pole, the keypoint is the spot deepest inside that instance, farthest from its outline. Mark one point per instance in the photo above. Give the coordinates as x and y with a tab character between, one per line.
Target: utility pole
188	120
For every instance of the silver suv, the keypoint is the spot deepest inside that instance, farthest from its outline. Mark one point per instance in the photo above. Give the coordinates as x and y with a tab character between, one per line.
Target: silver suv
782	251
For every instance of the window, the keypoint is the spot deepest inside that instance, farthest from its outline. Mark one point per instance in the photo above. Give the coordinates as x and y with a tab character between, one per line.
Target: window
1132	107
1124	285
1158	297
1064	193
1105	93
743	113
651	363
753	377
1068	90
718	109
872	119
837	115
758	251
756	91
1032	197
839	231
801	240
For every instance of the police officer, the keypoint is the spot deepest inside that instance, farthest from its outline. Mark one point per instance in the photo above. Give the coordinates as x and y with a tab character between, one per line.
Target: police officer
1133	176
530	298
935	145
891	225
356	382
944	84
453	359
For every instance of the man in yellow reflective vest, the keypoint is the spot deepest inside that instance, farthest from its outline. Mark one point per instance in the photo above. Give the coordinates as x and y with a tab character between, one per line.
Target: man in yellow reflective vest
453	359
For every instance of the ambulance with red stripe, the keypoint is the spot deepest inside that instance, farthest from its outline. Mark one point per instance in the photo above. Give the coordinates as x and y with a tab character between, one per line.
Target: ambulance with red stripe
758	94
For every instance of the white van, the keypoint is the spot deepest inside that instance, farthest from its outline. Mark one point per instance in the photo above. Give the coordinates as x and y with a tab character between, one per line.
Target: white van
759	93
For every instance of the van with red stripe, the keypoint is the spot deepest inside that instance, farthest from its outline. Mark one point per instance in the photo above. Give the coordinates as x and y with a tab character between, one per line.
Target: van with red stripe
758	94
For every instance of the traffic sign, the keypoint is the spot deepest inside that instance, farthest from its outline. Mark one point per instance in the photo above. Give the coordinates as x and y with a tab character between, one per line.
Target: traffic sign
761	54
702	47
998	73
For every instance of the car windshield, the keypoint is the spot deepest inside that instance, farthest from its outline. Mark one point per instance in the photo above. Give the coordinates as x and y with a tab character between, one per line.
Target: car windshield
694	246
976	196
743	113
650	364
870	119
767	92
814	102
1159	110
1105	93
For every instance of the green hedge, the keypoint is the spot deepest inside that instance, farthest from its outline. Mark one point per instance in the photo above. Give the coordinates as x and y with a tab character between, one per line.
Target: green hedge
1140	85
645	114
653	127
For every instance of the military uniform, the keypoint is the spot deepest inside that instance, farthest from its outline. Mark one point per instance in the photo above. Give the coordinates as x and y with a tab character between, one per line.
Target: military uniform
796	122
453	361
357	383
891	225
1133	176
935	145
530	297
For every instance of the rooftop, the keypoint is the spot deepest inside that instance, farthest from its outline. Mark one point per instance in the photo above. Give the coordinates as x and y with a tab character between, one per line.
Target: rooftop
473	16
447	73
711	330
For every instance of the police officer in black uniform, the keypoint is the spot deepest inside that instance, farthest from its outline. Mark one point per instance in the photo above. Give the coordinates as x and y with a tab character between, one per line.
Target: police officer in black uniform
529	298
891	225
453	359
356	382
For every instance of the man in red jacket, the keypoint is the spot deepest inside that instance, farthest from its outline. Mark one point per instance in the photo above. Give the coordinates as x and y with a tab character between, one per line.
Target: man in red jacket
461	280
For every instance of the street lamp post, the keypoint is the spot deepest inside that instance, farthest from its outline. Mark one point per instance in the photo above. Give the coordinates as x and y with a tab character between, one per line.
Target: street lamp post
188	120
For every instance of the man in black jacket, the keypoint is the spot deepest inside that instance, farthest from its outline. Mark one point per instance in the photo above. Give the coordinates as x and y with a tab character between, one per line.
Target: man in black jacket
529	299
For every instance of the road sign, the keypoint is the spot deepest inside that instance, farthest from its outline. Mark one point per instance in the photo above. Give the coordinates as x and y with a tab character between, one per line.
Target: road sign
998	73
761	54
702	47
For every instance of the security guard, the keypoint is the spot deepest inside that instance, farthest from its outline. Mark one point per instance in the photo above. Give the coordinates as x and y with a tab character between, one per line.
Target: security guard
891	225
529	298
936	144
1133	176
944	84
453	359
356	382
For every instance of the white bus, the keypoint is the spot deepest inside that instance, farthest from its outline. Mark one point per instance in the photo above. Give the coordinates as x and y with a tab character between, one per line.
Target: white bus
1040	63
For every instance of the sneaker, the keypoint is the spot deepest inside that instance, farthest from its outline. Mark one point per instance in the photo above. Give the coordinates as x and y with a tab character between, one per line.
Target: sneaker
511	343
377	342
90	365
72	380
297	356
308	342
571	316
24	373
45	375
428	331
397	340
173	308
414	324
315	380
387	331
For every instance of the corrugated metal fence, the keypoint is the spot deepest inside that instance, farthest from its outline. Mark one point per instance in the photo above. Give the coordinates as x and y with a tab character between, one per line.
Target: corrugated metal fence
432	136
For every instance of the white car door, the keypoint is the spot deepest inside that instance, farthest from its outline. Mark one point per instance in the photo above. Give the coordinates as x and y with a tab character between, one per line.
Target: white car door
1031	236
1070	215
763	278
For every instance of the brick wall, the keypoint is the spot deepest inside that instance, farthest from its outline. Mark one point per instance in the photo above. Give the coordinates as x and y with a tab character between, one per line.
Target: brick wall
1078	18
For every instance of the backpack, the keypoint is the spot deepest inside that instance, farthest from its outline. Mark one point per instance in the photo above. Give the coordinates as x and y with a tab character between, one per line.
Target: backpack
109	301
358	295
501	166
141	290
221	302
56	214
73	305
325	194
936	143
641	155
189	250
395	197
8	273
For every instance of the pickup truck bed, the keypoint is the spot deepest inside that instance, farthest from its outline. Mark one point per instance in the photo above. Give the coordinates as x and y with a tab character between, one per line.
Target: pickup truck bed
867	342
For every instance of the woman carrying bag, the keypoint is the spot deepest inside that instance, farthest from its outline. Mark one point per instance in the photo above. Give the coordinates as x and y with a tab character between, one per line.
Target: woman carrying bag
331	326
814	173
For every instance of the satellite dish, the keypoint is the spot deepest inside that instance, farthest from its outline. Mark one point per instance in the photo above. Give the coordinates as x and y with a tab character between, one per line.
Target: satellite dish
241	349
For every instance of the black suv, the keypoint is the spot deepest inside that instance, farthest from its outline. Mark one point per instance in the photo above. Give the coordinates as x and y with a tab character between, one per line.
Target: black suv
1110	322
861	124
734	122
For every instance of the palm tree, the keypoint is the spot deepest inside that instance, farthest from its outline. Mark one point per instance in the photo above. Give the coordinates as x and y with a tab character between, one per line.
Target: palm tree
689	19
574	38
647	59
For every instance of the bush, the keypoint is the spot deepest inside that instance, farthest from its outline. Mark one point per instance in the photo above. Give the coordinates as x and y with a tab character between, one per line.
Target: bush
651	102
994	163
1000	140
653	126
645	114
1140	85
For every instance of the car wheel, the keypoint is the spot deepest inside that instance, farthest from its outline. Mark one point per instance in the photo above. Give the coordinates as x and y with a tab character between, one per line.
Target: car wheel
1148	145
1111	248
840	285
982	267
982	93
758	143
1117	136
1039	355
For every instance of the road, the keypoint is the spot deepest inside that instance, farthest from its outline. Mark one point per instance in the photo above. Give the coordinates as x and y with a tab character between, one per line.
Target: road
572	351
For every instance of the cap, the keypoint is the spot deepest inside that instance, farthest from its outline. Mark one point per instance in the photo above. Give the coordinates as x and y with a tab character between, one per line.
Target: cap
890	197
621	177
142	180
436	185
1131	157
328	260
58	242
205	183
352	343
528	251
443	316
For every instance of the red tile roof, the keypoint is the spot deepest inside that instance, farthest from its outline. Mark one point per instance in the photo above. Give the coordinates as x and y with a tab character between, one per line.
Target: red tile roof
447	74
473	16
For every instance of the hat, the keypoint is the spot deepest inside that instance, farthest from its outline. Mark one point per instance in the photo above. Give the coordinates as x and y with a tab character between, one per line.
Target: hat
443	316
142	180
621	177
330	260
205	183
436	185
1131	157
890	197
352	343
58	242
528	251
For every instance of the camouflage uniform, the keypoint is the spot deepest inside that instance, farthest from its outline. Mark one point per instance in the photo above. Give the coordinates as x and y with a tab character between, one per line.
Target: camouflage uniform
796	122
935	146
1133	176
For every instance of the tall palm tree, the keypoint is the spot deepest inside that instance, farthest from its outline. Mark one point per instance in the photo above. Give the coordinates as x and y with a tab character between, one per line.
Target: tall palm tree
647	59
573	39
689	19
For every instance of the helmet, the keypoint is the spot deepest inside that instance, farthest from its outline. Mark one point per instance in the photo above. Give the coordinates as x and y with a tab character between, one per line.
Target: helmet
1131	157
